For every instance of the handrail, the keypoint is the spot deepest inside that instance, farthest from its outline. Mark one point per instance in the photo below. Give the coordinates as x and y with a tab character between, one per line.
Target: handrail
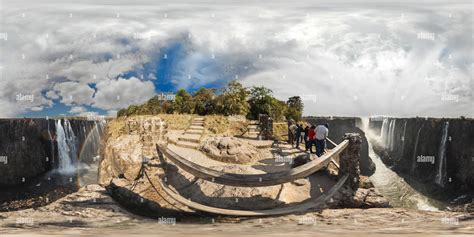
251	180
301	207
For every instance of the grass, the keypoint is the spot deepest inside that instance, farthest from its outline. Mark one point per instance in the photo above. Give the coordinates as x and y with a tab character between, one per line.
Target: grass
220	125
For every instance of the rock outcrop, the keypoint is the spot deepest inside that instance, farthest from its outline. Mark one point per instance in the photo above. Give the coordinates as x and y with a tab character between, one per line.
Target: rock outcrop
230	150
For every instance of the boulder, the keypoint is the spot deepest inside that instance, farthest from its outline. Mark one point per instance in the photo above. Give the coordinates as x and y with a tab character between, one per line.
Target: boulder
230	150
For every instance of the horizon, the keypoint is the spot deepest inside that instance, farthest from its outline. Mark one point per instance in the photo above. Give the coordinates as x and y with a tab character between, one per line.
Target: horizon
350	60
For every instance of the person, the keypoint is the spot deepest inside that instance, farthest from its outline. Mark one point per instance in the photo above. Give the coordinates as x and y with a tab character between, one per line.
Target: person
293	131
305	136
311	137
289	132
322	132
299	131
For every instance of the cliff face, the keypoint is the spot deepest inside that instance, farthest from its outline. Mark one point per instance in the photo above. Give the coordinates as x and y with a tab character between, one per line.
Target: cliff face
28	147
439	151
338	127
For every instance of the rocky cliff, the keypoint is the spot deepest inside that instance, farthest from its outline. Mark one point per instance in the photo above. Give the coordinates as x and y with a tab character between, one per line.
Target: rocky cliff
28	147
434	151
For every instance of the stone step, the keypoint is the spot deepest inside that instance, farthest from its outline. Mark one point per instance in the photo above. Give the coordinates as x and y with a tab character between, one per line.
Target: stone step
198	124
196	127
187	144
194	131
190	138
198	119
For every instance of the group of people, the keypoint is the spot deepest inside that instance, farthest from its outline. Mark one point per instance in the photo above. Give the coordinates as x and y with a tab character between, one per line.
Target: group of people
311	135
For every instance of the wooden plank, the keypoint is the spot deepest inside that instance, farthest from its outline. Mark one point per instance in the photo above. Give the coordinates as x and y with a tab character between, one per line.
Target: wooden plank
251	180
298	208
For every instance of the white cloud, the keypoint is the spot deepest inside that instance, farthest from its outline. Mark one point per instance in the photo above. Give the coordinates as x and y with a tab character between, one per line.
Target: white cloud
120	93
336	52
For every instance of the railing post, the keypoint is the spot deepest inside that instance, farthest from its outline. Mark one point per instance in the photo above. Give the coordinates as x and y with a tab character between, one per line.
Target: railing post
349	160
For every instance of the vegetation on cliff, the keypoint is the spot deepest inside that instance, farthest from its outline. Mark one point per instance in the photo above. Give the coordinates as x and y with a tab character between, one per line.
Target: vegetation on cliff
233	99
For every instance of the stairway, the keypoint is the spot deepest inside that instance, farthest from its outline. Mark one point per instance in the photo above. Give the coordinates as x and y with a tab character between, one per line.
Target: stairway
192	136
252	130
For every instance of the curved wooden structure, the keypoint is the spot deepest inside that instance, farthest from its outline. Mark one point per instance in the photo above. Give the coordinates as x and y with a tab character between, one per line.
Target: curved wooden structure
301	207
251	180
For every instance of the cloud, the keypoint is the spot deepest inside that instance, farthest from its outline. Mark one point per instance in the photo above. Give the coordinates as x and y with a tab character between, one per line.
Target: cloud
120	93
355	60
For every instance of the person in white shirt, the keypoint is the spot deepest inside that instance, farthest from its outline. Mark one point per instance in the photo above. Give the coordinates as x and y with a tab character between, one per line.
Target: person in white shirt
322	132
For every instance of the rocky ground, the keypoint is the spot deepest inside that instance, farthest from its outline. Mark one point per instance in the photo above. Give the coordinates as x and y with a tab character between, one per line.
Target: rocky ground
91	212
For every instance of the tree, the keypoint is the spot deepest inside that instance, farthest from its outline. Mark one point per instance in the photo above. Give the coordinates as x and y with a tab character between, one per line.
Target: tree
278	109
261	101
204	101
184	102
233	100
295	108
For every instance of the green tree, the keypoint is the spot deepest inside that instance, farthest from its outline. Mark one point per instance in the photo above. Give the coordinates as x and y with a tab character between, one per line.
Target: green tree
204	101
295	108
260	101
233	100
278	109
184	102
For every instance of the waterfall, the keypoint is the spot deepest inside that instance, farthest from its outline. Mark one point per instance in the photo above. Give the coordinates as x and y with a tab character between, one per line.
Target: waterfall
384	130
66	146
415	150
91	145
403	138
52	143
390	137
441	171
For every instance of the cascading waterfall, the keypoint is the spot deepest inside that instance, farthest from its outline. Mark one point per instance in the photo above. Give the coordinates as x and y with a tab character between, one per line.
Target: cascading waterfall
403	138
52	144
394	187
415	150
391	135
89	154
90	149
441	171
66	146
384	130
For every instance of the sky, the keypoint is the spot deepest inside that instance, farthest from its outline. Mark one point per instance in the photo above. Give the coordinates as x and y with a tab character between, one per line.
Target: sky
343	58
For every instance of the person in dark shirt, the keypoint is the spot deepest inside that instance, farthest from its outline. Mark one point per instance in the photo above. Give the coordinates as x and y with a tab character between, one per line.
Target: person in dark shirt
299	131
311	139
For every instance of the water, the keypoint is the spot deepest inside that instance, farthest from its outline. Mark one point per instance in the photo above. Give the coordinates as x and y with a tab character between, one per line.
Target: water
384	130
52	144
403	137
391	135
66	147
90	154
413	165
440	178
389	183
396	189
